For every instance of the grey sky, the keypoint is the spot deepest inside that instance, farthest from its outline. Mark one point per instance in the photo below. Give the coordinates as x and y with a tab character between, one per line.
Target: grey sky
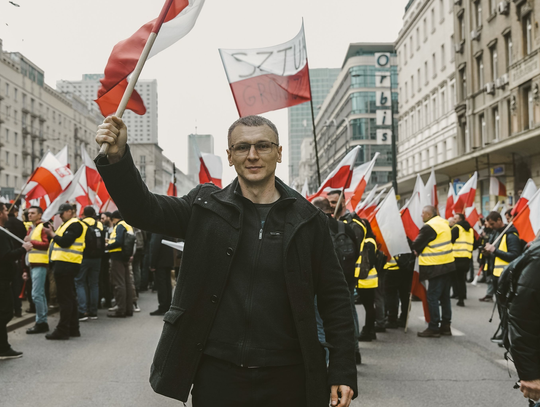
67	38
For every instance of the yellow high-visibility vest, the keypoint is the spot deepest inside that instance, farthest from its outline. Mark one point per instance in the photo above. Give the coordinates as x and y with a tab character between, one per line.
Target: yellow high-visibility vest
35	255
112	239
391	264
463	246
73	253
500	264
28	225
438	251
91	222
372	280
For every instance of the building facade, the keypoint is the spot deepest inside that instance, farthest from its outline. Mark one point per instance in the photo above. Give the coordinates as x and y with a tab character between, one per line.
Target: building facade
427	88
358	111
142	129
300	122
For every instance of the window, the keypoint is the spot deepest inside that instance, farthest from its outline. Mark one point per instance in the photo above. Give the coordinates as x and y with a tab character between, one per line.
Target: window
417	37
443	58
452	48
443	102
16	138
452	95
7	135
364	129
461	22
441	9
496	124
434	65
7	89
509	115
527	34
418	79
425	29
530	109
494	63
509	49
406	95
492	7
426	72
463	78
478	13
413	123
480	71
15	93
434	107
405	53
411	46
419	116
7	157
482	123
412	85
363	102
433	20
426	112
16	160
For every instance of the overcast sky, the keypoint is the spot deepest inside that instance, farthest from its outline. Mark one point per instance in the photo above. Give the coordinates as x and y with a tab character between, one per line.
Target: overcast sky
67	38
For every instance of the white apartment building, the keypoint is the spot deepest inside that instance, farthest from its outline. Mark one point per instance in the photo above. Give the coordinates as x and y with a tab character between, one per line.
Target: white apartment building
142	129
427	89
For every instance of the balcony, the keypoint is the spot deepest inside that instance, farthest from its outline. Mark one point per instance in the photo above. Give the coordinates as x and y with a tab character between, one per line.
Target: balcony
25	109
25	173
25	131
25	152
42	119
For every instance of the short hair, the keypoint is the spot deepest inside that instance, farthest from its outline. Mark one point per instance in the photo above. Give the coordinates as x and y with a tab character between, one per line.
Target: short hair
37	208
322	203
89	211
116	215
494	216
2	206
107	214
252	121
509	212
431	209
334	192
460	216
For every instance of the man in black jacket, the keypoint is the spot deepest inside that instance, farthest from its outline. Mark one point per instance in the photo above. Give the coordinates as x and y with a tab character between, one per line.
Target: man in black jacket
524	324
161	264
10	252
241	328
463	242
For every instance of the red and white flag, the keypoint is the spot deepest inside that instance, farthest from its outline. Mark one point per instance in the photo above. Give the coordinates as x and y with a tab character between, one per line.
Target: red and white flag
51	175
73	190
419	289
387	227
411	216
466	195
211	169
449	210
360	178
431	190
341	176
472	216
360	207
96	186
527	222
305	189
496	187
265	79
176	19
371	207
63	156
172	190
526	195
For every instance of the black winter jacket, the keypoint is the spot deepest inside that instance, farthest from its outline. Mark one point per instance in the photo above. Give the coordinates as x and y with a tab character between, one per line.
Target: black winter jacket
10	252
524	318
210	221
513	245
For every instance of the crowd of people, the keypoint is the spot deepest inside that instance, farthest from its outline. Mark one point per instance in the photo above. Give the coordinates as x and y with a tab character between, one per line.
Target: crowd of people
89	262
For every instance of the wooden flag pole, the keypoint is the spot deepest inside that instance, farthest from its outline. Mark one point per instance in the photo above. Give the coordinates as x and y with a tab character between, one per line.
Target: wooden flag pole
408	313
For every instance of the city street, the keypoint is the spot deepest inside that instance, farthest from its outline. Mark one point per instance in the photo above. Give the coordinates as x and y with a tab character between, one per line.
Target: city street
109	365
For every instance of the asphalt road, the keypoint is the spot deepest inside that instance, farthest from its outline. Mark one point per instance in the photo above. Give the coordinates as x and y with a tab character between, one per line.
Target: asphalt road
109	365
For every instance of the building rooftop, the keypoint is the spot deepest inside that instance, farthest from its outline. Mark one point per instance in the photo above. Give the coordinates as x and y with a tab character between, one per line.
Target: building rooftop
367	48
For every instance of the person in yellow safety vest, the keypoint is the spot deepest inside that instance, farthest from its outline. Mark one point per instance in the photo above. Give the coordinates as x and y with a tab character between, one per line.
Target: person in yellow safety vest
367	285
38	258
463	245
120	273
397	289
433	246
500	254
68	244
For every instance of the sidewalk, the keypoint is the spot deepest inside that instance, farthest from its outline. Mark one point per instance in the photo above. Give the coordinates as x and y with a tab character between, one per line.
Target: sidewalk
26	318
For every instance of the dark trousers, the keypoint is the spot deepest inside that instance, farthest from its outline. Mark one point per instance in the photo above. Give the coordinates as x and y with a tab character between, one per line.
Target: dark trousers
67	298
460	277
367	299
6	313
105	281
123	290
223	384
397	289
438	292
145	272
16	287
164	287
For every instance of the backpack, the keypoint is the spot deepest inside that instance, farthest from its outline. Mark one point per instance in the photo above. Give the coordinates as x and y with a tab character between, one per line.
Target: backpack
128	245
345	251
94	241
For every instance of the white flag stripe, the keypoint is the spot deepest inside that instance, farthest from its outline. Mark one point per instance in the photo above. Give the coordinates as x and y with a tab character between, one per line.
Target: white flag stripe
391	226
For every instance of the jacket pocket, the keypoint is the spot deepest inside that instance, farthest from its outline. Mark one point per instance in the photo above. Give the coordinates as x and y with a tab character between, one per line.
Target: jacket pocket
173	314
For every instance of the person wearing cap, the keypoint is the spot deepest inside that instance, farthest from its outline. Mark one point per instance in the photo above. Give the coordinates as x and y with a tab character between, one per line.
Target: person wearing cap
120	274
68	244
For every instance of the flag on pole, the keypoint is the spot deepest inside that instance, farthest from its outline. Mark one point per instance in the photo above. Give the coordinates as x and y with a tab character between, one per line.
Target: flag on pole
63	156
372	206
341	176
496	187
527	221
96	186
266	79
431	190
497	207
51	175
360	207
503	214
472	216
305	189
360	178
388	228
211	169
172	190
411	216
526	195
176	19
450	201
419	289
466	195
71	192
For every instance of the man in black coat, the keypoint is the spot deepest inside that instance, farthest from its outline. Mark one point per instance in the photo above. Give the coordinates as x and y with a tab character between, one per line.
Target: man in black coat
161	264
10	252
241	328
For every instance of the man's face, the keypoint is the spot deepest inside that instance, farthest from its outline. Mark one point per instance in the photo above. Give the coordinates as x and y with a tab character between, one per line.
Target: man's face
33	215
453	220
4	215
254	167
66	215
426	215
105	220
508	217
333	199
495	225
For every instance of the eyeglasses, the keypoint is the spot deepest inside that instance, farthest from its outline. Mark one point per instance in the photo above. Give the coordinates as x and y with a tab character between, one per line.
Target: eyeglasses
242	149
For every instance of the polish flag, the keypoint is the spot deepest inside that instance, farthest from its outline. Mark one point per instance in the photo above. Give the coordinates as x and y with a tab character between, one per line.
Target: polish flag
94	181
211	169
360	207
266	79
465	197
497	207
527	221
360	178
526	195
72	192
411	216
371	207
503	213
419	289
176	19
496	187
51	175
341	176
450	201
172	190
431	190
63	157
305	189
472	216
388	228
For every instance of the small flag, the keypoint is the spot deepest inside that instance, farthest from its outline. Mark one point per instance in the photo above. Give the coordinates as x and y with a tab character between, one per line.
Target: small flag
496	187
526	195
527	221
450	201
466	195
